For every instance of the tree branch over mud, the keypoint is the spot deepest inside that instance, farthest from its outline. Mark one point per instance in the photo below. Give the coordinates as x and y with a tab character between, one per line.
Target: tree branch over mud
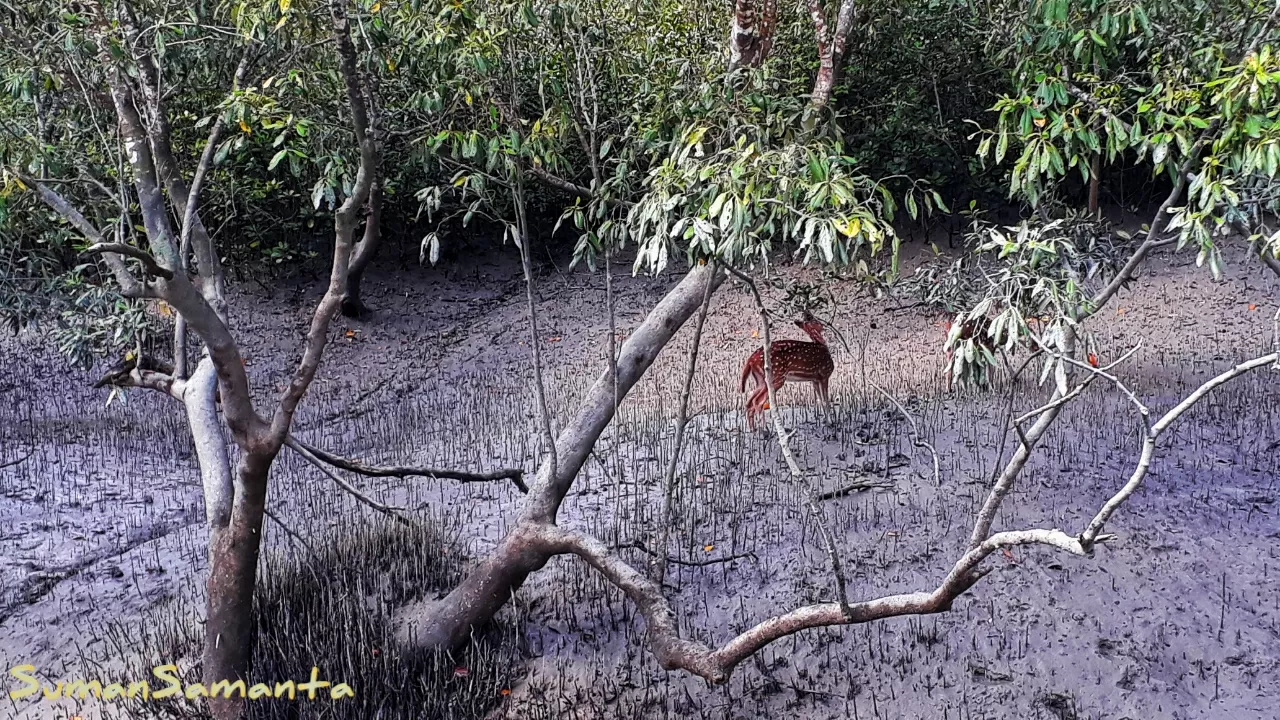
350	489
716	664
516	476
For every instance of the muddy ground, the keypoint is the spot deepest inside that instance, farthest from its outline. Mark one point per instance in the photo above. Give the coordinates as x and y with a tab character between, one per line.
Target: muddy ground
1178	617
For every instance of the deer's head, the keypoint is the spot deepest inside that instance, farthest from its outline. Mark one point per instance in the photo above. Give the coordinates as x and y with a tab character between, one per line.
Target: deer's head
813	327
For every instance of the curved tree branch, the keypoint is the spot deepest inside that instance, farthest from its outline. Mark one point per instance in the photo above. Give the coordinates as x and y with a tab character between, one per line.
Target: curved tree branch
148	260
344	223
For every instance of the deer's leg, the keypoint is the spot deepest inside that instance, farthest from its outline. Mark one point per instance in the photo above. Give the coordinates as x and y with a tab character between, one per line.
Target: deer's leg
756	405
752	399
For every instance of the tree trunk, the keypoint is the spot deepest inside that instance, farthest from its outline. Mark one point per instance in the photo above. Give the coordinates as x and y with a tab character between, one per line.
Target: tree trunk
832	43
1095	180
823	83
488	588
200	399
352	305
751	38
233	572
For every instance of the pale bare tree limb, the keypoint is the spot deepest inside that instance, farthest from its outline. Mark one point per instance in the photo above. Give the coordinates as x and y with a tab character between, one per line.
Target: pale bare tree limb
1152	434
916	440
522	238
148	260
345	221
716	665
130	286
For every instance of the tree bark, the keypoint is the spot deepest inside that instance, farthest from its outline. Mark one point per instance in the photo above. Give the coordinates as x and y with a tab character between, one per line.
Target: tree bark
488	588
832	44
370	242
751	37
233	574
200	399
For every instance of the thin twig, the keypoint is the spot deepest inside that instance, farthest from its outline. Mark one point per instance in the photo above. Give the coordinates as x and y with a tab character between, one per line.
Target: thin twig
19	461
638	545
916	440
859	486
682	420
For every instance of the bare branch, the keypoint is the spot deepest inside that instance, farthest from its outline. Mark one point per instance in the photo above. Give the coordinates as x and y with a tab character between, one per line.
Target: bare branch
1054	404
860	485
19	461
521	235
1090	535
355	466
715	666
391	512
129	285
664	559
148	260
784	442
659	567
344	226
207	256
637	353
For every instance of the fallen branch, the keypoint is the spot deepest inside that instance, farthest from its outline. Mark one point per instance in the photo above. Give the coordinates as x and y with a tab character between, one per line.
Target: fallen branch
393	513
355	466
19	461
859	486
287	531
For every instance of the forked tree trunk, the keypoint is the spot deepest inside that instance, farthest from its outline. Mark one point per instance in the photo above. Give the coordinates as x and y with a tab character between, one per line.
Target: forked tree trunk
233	573
448	624
352	305
751	37
832	44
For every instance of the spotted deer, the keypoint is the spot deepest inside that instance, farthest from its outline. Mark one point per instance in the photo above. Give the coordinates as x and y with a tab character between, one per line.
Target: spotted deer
794	360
